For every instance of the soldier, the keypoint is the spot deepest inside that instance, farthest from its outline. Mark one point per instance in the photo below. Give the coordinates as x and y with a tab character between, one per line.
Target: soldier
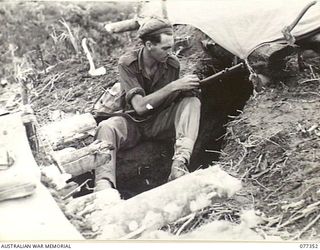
150	78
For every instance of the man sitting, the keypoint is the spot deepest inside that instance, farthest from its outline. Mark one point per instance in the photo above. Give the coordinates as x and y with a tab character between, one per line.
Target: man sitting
150	78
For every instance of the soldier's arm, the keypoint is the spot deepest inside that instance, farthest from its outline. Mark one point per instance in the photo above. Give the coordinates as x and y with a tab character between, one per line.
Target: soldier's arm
143	104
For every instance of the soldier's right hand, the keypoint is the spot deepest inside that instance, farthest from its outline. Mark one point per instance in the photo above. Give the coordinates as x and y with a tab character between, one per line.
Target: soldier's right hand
187	82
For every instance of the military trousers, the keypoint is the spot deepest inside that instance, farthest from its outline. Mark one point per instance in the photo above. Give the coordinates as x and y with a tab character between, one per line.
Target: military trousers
180	121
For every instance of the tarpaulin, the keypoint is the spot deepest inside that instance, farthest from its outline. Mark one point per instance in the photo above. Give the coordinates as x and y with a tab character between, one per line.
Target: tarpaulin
240	26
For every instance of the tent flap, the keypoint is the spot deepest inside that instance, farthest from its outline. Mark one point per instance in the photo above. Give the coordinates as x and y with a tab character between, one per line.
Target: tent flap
241	25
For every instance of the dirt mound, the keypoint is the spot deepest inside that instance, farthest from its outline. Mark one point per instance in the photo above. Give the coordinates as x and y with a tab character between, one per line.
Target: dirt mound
273	146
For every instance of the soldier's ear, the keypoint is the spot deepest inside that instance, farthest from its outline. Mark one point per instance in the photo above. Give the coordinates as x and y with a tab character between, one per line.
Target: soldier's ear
148	45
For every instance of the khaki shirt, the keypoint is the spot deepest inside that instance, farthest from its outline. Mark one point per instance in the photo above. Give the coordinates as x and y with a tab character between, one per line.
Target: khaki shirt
134	79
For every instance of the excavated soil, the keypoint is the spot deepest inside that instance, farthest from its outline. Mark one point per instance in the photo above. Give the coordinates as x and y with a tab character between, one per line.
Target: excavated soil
273	146
270	139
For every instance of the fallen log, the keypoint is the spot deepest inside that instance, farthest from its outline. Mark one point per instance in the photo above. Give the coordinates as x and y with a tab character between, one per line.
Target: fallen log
122	26
270	59
165	204
270	63
79	161
67	130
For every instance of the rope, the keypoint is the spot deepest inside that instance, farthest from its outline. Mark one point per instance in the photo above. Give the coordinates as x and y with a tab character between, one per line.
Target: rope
253	75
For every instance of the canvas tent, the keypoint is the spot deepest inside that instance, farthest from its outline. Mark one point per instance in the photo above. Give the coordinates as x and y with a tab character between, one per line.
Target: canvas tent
240	26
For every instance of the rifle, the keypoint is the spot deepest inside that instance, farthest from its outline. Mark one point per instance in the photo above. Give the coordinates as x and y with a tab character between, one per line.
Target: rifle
128	114
220	74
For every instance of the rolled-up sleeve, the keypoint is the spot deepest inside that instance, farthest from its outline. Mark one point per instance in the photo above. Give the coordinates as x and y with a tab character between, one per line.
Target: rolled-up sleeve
130	83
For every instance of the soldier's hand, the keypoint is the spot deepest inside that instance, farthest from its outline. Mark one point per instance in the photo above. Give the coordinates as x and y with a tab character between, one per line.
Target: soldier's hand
187	82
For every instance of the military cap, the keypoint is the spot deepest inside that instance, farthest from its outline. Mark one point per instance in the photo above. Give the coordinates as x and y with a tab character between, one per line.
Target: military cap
155	26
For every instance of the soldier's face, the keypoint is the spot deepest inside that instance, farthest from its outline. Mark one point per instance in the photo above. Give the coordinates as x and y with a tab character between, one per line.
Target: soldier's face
162	50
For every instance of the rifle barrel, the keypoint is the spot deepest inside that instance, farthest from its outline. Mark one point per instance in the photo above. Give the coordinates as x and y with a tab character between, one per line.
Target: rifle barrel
221	73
